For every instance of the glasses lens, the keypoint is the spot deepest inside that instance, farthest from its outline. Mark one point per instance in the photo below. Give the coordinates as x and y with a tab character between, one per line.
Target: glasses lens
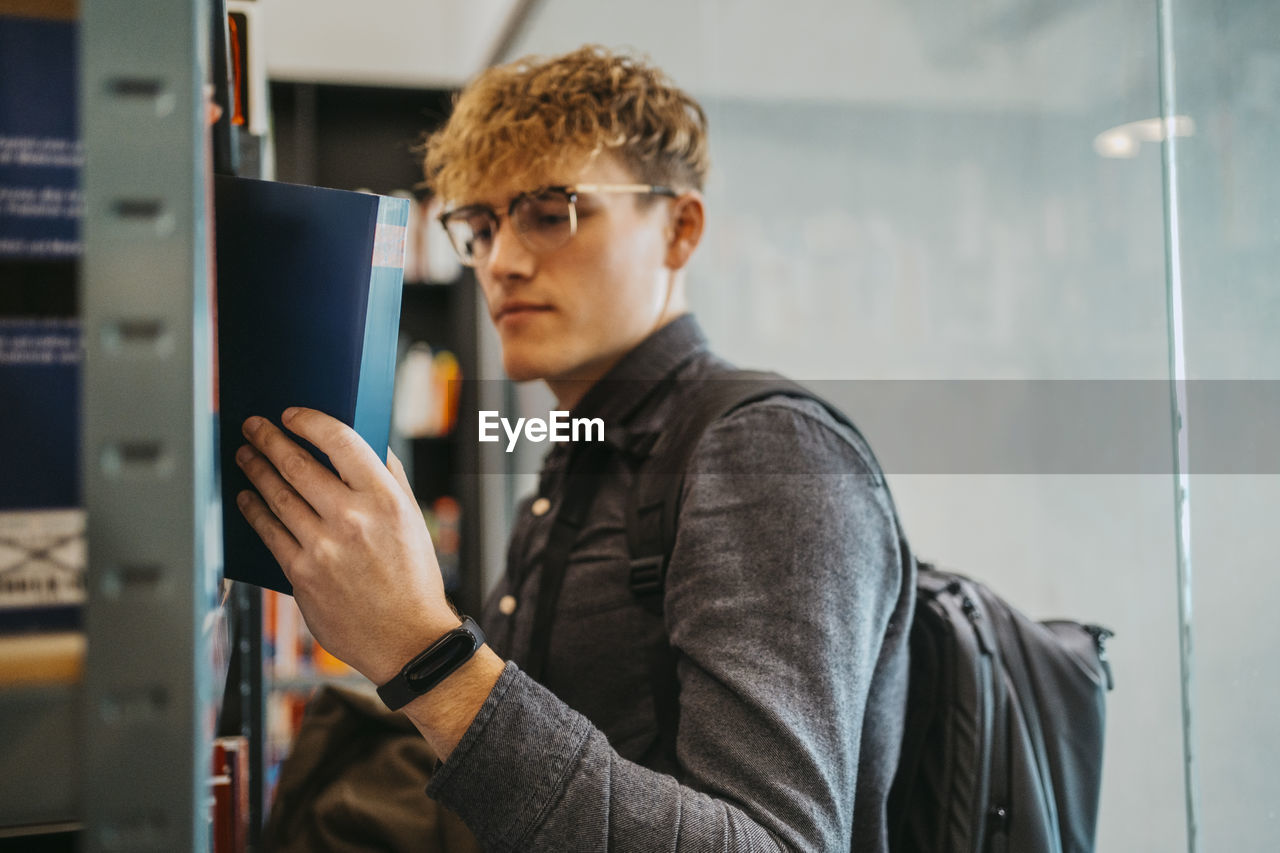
471	232
545	220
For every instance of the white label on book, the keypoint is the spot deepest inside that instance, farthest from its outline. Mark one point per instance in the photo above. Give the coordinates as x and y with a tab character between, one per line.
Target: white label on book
42	558
388	245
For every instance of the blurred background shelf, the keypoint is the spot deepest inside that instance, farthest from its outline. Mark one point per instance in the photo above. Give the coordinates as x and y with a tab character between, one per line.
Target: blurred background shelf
39	755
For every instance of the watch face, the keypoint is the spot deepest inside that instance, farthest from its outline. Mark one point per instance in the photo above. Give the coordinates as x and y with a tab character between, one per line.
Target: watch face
430	668
433	665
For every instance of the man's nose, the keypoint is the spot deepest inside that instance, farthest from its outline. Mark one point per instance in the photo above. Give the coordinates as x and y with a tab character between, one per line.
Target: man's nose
509	257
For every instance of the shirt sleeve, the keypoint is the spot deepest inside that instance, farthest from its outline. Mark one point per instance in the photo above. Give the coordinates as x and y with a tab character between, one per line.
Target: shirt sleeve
781	585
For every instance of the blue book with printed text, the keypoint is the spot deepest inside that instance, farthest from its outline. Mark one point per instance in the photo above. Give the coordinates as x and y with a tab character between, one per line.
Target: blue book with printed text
42	516
309	284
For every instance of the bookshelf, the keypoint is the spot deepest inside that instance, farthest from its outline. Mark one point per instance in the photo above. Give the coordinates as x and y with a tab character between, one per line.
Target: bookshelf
123	753
118	758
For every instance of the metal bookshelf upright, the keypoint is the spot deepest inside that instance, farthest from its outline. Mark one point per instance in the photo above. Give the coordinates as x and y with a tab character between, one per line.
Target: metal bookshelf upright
149	696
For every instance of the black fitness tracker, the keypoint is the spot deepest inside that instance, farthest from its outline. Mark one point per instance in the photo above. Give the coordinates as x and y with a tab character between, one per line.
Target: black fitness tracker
433	665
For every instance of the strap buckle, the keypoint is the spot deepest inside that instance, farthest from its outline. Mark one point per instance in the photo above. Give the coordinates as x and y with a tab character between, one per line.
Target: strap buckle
647	575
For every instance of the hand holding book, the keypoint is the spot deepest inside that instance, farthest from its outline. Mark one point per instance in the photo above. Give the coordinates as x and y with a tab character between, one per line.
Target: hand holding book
354	545
356	549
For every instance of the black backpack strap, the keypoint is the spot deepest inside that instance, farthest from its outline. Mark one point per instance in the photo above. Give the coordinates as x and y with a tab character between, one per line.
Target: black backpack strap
582	482
654	508
654	505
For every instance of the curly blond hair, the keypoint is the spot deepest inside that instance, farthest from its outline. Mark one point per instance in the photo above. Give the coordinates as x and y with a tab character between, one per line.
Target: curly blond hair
517	124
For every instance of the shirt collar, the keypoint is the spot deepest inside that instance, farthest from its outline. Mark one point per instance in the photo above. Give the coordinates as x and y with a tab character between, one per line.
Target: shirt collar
619	393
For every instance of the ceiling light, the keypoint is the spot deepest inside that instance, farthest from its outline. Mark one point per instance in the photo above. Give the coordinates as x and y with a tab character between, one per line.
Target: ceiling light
1124	141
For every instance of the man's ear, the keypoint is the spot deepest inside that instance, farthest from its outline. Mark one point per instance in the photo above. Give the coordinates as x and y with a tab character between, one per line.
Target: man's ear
685	229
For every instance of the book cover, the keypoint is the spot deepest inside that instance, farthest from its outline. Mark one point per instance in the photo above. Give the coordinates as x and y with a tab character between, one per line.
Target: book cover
42	519
309	286
40	160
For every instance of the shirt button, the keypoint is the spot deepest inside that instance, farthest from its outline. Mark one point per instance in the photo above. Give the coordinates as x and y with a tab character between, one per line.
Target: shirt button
507	605
540	506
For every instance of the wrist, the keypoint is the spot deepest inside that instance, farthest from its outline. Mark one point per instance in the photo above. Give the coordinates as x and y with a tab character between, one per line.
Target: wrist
432	665
443	715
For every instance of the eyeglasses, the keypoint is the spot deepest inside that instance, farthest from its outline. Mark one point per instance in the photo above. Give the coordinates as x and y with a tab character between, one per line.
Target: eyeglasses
544	219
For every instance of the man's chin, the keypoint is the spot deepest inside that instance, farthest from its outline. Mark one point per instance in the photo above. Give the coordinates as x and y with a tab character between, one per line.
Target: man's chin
523	376
526	369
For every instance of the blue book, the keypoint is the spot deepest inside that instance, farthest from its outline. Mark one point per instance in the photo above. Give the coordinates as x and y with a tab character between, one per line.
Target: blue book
42	519
40	152
309	283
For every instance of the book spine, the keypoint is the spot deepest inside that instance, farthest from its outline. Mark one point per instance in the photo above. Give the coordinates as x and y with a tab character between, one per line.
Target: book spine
382	324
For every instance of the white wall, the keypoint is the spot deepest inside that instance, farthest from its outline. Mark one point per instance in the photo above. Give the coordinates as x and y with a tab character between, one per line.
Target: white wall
865	243
423	43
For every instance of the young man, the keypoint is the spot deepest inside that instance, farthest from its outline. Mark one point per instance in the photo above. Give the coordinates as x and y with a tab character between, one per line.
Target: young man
573	188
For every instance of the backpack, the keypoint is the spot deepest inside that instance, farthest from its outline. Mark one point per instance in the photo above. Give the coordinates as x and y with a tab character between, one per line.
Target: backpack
1002	744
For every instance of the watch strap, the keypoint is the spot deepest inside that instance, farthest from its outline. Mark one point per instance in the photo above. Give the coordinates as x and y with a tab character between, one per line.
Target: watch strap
433	665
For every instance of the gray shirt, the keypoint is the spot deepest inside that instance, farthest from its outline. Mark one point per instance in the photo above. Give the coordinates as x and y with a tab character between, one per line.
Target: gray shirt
786	602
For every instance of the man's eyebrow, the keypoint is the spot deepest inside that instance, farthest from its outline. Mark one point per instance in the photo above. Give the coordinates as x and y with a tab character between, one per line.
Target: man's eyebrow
473	201
486	200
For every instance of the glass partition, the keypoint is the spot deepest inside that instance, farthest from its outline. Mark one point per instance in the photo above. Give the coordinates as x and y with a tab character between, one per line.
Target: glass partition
1222	72
953	216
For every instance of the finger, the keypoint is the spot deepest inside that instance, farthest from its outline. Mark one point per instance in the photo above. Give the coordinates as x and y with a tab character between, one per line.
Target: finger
213	111
290	508
356	463
274	535
397	470
310	479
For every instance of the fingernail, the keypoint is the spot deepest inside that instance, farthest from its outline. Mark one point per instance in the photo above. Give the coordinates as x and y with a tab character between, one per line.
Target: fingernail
244	454
242	500
252	425
289	413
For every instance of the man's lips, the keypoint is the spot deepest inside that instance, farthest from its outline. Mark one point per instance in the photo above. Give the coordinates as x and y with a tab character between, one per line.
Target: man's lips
517	309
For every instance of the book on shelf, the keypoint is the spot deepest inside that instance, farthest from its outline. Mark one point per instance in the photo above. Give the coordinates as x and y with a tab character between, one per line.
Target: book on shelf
428	389
230	784
309	287
248	63
42	518
40	160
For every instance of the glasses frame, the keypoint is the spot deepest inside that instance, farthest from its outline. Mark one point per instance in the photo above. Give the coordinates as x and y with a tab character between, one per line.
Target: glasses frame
570	192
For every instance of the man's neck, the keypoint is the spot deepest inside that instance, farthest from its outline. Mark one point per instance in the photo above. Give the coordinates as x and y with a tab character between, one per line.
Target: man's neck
569	390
